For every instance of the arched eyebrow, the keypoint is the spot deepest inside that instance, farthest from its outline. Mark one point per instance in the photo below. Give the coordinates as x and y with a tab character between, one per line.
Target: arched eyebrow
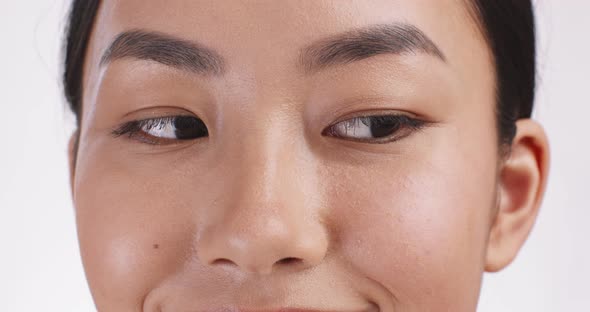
367	42
340	49
164	49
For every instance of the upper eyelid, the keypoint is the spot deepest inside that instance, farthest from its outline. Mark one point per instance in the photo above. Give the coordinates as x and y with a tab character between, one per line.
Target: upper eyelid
168	109
378	114
365	114
375	113
161	118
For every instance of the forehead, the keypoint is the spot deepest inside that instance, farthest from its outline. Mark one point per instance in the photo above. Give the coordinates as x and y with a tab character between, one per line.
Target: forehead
246	29
265	37
271	17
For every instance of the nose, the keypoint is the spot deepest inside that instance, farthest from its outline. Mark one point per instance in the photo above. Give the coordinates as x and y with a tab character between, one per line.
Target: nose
269	219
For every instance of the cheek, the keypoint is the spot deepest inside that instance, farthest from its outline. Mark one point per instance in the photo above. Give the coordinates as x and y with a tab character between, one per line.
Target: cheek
129	239
415	224
419	226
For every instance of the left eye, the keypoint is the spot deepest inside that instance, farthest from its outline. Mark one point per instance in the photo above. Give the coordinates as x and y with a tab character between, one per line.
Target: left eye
375	129
162	129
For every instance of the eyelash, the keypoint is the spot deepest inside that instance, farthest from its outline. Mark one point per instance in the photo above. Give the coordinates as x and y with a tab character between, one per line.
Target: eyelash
135	129
401	127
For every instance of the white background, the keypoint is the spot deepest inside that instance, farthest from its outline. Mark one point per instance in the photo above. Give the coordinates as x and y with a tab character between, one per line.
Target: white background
40	268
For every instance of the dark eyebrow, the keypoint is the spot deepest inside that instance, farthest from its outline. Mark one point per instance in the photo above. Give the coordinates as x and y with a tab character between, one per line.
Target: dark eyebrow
366	42
164	49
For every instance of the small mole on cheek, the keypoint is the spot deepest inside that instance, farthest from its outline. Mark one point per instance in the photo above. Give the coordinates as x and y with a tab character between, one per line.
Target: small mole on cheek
156	246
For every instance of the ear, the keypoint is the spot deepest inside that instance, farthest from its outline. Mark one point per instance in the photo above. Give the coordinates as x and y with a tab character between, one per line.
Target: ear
522	181
72	155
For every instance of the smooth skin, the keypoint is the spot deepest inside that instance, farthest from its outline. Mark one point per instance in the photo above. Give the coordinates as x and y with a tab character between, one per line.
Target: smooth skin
268	211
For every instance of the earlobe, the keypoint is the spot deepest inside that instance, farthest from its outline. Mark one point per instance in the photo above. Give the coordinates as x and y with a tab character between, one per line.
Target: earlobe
522	181
72	156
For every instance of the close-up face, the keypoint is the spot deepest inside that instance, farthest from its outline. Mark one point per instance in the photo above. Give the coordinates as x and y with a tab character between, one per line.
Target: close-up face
325	155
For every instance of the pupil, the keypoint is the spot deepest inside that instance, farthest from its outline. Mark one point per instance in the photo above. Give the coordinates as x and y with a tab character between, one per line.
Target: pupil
189	128
383	126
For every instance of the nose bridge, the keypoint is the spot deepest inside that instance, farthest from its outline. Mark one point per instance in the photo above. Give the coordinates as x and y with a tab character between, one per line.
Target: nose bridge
268	220
264	160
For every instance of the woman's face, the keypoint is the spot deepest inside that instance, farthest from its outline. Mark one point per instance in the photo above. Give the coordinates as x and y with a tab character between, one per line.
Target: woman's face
329	155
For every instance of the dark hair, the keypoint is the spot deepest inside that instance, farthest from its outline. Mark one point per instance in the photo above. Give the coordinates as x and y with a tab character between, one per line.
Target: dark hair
508	27
80	22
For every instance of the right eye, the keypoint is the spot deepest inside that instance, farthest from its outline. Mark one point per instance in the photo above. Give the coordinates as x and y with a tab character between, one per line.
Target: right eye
164	130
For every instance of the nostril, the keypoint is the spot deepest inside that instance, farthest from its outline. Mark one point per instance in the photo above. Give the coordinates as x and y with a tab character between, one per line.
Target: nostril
289	260
223	262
